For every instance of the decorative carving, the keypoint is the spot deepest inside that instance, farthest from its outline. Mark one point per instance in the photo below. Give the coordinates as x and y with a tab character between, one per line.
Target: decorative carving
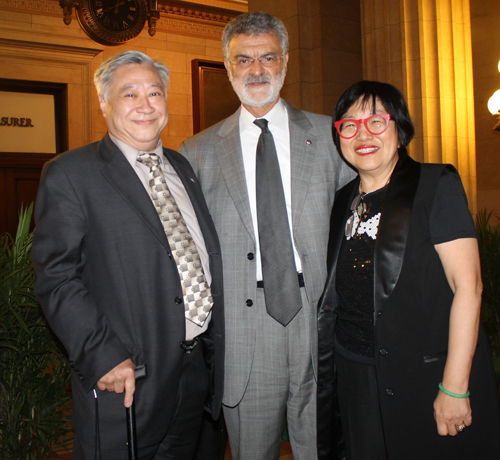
173	15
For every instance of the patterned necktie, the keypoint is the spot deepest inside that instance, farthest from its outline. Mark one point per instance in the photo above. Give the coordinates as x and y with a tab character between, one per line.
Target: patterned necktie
197	296
281	285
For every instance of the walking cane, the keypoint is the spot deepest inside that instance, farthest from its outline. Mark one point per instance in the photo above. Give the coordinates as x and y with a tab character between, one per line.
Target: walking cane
140	373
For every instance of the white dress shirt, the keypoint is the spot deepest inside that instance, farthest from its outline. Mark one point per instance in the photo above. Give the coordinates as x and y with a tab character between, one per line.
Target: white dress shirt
277	119
180	195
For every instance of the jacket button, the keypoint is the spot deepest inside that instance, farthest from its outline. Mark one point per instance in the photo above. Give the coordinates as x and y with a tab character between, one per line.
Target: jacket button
383	351
178	300
249	302
389	392
250	256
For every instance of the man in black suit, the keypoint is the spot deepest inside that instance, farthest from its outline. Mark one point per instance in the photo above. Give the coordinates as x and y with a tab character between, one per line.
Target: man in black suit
129	272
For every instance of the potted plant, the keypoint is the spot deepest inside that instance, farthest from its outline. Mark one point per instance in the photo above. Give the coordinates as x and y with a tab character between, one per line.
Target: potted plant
489	249
34	371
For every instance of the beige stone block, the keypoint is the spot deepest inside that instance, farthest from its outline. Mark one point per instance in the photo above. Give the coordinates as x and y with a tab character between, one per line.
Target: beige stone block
342	66
282	9
175	38
15	16
307	66
144	41
341	34
180	83
394	13
54	21
318	66
215	54
177	104
428	10
488	176
291	93
171	142
180	125
307	96
55	30
186	48
309	7
367	14
416	149
213	43
14	24
485	28
293	74
294	32
349	10
489	199
175	61
484	127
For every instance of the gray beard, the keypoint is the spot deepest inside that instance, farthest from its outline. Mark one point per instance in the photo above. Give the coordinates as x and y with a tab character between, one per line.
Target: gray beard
247	98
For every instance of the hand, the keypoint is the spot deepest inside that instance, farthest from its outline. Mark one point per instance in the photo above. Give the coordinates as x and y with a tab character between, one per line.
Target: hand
450	412
120	378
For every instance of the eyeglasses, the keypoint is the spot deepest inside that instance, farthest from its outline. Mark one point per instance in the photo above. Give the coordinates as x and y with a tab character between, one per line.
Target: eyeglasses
376	124
266	61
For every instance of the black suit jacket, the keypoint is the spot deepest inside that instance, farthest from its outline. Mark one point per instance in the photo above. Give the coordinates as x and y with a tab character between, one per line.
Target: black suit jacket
108	286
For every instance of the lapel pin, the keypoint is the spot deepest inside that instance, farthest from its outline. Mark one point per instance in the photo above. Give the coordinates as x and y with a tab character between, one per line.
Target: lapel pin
193	180
308	142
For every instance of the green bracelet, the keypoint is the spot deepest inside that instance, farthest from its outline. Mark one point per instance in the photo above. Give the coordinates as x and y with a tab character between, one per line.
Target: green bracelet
454	395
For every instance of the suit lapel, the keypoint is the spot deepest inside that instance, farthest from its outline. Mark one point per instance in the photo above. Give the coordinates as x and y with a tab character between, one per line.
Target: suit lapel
302	152
394	227
120	174
228	151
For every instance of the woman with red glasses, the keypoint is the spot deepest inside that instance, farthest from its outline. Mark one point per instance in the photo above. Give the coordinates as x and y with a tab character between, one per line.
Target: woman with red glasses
404	369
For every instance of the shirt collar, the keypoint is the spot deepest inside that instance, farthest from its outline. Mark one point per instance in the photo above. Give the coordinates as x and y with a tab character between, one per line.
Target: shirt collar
131	153
277	117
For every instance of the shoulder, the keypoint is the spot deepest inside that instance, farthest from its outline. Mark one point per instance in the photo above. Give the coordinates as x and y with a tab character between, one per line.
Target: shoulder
440	176
74	160
205	138
308	120
175	157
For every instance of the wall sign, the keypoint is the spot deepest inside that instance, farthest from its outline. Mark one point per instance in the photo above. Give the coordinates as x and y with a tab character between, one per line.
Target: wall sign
27	122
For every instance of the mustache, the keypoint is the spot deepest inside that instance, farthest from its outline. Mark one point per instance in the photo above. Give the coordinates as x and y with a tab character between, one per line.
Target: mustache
257	79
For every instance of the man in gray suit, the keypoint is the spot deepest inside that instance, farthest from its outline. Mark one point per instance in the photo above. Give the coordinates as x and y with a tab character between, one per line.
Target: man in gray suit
118	221
270	355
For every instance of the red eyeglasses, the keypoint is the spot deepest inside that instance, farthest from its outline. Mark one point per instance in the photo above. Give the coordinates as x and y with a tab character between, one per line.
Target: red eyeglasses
376	124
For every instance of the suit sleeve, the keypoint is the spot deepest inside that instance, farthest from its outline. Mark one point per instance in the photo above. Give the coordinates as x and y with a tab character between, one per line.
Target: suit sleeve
59	258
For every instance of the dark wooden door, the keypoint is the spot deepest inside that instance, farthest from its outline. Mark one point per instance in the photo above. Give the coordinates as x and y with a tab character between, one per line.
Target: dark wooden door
20	171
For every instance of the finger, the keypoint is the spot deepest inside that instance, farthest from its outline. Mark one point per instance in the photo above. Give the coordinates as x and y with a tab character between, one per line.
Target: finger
442	429
119	386
129	391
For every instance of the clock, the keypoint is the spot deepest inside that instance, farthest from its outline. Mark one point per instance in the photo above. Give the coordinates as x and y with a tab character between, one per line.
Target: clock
112	22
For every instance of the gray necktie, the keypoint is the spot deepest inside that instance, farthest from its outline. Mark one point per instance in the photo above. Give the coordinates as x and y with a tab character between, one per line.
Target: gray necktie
197	296
281	286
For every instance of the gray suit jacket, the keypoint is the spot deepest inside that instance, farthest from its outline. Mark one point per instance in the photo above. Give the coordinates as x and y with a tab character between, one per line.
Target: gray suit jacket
317	172
110	288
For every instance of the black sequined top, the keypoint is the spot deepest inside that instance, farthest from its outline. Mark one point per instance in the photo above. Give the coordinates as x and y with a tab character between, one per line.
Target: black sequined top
354	280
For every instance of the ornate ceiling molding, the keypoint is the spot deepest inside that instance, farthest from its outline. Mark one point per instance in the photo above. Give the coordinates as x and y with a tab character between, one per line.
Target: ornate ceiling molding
175	16
196	11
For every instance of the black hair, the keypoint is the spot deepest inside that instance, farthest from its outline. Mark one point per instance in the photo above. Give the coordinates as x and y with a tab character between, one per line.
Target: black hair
368	92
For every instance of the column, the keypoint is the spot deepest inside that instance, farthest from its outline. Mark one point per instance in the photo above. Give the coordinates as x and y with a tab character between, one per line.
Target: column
424	48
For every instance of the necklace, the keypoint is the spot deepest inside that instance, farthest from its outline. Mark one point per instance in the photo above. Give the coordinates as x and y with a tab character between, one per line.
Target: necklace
358	208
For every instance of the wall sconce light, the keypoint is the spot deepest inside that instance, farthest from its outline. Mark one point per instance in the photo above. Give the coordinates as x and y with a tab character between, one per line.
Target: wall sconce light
494	105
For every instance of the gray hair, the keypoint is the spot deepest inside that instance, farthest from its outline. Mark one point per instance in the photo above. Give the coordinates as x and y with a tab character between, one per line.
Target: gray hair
254	24
103	76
